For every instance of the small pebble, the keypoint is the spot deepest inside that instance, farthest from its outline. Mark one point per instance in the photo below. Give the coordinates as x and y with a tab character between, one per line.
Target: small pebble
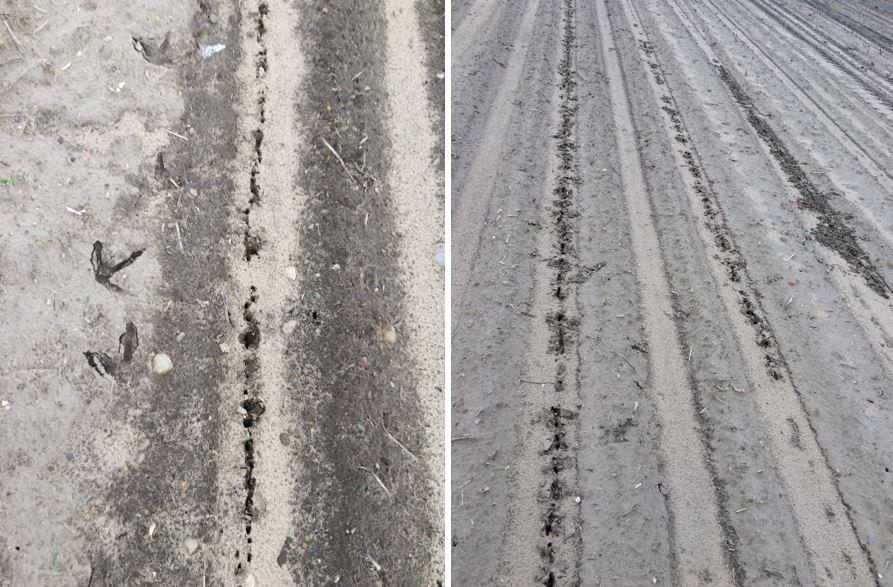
388	333
291	272
161	363
249	580
181	336
289	327
578	499
191	545
284	439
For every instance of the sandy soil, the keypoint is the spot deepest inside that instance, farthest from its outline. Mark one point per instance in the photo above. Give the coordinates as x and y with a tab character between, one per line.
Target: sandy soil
672	319
221	294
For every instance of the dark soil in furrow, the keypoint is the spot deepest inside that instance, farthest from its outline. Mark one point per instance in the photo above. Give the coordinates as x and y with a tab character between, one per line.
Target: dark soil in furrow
563	327
249	335
365	509
732	259
177	478
832	231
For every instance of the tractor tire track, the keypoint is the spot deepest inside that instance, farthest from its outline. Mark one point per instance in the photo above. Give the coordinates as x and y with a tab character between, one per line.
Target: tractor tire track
878	38
872	313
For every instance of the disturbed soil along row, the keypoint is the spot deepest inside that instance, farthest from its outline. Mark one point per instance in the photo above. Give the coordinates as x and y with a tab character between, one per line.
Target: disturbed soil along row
672	319
221	290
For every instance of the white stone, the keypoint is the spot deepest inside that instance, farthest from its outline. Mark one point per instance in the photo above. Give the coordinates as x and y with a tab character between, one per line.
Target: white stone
191	545
161	363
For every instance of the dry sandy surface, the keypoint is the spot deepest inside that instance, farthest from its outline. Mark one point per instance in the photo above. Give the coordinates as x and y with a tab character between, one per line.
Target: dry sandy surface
220	293
672	319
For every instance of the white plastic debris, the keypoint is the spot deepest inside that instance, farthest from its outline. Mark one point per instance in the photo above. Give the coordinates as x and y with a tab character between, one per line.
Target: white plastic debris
440	255
161	363
207	50
291	272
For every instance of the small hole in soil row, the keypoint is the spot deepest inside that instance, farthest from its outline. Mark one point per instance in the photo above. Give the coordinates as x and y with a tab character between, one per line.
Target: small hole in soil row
255	408
250	337
252	246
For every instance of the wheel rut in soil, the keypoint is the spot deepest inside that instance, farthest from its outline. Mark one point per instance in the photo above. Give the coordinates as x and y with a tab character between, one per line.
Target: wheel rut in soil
874	90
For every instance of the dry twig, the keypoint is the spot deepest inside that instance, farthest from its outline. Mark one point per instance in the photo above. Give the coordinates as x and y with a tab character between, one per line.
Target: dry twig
341	161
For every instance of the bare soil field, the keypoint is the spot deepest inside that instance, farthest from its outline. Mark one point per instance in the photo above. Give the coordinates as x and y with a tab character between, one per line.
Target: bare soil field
671	313
221	293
